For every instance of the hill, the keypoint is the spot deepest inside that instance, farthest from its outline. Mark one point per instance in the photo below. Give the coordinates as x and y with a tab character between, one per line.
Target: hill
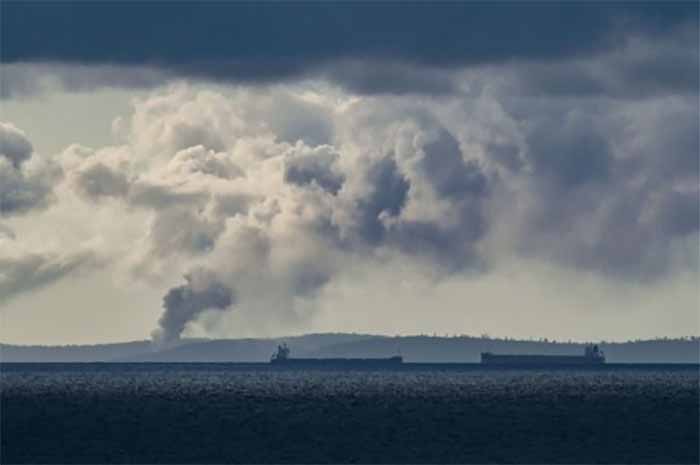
465	349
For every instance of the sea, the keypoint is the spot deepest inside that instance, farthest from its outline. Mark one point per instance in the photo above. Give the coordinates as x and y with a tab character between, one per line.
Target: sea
414	413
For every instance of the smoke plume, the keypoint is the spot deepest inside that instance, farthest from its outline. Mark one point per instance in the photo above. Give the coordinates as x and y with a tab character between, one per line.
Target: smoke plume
183	303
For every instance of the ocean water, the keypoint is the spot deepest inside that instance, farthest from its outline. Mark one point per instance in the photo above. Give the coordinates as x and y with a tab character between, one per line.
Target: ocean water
237	413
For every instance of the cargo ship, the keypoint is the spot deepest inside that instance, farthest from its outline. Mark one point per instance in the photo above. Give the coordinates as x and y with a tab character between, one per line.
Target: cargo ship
591	356
282	358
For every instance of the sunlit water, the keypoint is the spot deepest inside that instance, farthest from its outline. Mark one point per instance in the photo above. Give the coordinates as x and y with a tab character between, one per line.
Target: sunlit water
222	413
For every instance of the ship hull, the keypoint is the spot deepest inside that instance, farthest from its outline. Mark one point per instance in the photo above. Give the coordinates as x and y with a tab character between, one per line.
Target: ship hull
338	362
540	360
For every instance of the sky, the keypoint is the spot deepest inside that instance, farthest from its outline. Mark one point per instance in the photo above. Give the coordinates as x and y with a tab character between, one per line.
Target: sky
172	169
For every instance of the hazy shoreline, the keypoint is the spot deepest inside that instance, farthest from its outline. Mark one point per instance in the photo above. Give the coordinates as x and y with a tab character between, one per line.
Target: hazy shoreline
415	349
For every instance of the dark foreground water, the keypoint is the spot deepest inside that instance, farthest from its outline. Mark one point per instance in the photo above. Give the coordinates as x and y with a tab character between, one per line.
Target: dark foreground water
194	413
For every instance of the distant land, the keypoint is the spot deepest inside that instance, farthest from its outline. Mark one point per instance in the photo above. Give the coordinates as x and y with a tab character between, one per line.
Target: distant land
426	349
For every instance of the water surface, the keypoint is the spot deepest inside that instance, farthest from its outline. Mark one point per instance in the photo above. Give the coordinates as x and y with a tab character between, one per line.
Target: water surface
252	413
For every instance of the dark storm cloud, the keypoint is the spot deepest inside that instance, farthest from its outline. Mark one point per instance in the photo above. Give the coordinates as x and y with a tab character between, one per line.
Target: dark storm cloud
610	192
390	78
273	41
446	169
387	198
451	249
678	213
465	186
573	154
635	66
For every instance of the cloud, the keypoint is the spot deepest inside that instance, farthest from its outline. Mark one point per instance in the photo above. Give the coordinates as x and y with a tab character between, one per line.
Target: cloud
24	273
263	220
99	180
177	231
314	166
197	160
575	154
26	79
6	232
596	185
389	77
285	150
26	180
637	65
384	197
14	144
400	178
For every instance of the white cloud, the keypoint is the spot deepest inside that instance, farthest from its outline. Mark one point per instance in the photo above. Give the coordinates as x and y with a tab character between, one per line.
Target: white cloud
278	194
